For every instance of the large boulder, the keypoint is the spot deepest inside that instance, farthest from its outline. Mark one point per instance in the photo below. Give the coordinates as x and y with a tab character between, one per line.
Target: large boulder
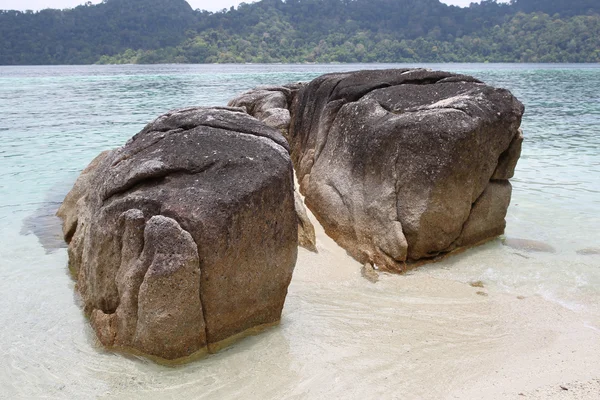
402	165
186	237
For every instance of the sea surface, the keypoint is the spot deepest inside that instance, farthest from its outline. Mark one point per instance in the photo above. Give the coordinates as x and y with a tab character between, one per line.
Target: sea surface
55	119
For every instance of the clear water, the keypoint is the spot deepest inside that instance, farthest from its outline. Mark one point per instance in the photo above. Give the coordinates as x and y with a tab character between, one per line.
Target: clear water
54	120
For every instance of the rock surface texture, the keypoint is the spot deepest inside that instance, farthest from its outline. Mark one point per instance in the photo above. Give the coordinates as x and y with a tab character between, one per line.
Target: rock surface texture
185	237
306	230
401	166
271	105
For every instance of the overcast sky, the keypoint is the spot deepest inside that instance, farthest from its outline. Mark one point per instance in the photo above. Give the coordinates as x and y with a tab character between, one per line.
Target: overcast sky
211	5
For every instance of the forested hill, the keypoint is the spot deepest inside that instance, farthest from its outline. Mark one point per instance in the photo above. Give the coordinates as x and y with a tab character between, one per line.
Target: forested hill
157	31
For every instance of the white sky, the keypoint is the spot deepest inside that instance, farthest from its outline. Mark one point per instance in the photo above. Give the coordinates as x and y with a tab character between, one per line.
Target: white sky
211	5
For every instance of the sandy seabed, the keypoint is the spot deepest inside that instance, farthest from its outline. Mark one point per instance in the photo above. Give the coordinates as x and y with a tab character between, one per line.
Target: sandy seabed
425	335
469	327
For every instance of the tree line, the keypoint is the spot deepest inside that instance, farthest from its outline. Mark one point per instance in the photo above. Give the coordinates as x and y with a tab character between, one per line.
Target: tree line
168	31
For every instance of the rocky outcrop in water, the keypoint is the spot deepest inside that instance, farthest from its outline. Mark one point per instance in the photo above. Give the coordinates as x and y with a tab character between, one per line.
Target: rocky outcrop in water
401	166
186	237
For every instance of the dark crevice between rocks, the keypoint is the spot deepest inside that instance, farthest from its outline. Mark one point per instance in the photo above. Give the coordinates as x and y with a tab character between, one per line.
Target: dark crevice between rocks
424	81
333	89
202	305
388	108
291	96
430	257
106	309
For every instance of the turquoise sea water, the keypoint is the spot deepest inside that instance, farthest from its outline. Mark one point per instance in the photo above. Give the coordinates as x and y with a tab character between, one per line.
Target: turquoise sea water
54	120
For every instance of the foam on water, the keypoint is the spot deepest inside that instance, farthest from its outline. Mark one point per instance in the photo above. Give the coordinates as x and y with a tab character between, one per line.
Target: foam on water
427	333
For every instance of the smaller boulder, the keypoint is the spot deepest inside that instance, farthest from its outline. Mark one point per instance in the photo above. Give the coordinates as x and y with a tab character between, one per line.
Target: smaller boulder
269	104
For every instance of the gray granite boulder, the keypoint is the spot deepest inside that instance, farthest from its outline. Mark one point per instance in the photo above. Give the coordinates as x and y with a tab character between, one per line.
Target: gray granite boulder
186	237
401	166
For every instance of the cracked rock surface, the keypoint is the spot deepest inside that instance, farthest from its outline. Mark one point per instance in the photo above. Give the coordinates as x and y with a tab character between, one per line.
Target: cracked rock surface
186	236
402	165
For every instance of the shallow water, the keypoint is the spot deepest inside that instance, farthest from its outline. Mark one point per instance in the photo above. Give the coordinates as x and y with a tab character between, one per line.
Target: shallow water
341	336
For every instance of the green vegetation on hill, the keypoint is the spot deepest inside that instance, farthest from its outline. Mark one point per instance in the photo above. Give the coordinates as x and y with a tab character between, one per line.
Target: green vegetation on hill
83	34
164	31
